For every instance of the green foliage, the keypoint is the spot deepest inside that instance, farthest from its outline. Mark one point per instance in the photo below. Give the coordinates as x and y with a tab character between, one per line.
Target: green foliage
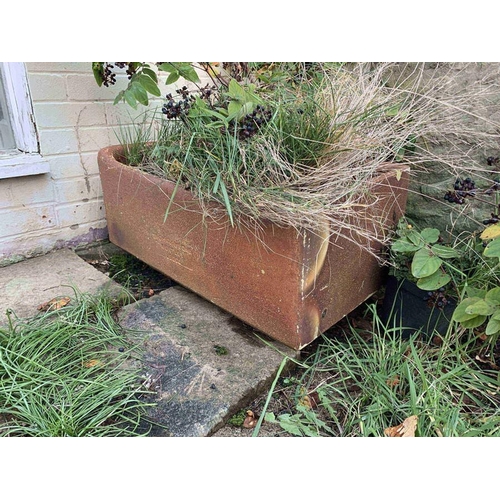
221	350
227	146
242	101
430	263
179	70
367	382
143	80
126	269
465	265
238	418
492	248
303	423
98	71
483	305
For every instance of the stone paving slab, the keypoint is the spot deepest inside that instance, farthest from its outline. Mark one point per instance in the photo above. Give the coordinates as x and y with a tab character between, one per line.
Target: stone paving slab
205	364
27	284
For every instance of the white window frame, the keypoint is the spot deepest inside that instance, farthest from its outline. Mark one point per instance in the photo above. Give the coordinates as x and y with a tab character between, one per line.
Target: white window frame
26	158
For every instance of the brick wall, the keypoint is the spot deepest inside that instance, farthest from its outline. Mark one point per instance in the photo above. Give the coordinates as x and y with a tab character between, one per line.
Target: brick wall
63	208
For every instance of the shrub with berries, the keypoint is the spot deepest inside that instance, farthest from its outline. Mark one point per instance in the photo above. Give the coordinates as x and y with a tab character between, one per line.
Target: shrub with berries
464	269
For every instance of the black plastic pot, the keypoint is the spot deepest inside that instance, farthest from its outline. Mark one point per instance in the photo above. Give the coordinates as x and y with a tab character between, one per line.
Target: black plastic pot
406	307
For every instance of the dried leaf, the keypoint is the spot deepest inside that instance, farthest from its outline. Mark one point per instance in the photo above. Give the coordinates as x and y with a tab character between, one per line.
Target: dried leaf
393	381
306	401
481	336
251	420
406	429
91	362
437	340
54	304
310	400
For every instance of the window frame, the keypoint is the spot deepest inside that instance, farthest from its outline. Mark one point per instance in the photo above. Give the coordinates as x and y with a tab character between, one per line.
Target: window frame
26	158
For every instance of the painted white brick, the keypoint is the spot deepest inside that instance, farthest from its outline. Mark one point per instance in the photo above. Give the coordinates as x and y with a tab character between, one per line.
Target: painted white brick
59	67
73	165
83	87
79	190
93	139
36	243
47	87
75	118
121	114
69	114
58	141
25	220
19	192
80	213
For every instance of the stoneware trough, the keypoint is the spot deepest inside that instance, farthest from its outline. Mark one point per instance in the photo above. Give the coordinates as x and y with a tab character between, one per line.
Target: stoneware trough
290	285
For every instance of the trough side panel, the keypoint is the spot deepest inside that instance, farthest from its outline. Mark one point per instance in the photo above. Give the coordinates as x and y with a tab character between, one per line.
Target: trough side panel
254	275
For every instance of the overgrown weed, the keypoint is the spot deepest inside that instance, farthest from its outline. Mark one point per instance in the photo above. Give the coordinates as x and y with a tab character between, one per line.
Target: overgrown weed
360	383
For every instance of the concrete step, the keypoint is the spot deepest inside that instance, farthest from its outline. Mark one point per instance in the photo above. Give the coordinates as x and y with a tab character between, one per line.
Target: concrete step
203	363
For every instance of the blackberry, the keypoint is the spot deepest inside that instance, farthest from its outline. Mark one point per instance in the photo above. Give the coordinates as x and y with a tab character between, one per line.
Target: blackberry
206	92
251	123
492	220
108	77
184	92
175	109
455	197
131	69
437	299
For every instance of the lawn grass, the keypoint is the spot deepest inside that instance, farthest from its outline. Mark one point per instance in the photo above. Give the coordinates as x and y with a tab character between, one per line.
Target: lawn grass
70	372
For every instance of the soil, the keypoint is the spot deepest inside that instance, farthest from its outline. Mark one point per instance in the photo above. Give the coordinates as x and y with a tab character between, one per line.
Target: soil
140	279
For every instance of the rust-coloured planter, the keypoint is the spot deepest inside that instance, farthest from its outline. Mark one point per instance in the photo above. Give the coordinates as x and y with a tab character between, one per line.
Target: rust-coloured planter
291	286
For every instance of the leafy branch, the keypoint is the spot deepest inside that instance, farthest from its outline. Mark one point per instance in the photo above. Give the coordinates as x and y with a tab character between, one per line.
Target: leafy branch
143	79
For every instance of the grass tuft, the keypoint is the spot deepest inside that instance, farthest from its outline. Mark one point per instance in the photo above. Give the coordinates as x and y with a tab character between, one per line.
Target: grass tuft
360	384
70	372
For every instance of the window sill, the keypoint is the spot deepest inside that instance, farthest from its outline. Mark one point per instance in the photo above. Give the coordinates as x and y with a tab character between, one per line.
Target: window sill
23	165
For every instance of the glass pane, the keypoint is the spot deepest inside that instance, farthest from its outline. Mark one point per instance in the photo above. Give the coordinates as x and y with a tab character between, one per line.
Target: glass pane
6	137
